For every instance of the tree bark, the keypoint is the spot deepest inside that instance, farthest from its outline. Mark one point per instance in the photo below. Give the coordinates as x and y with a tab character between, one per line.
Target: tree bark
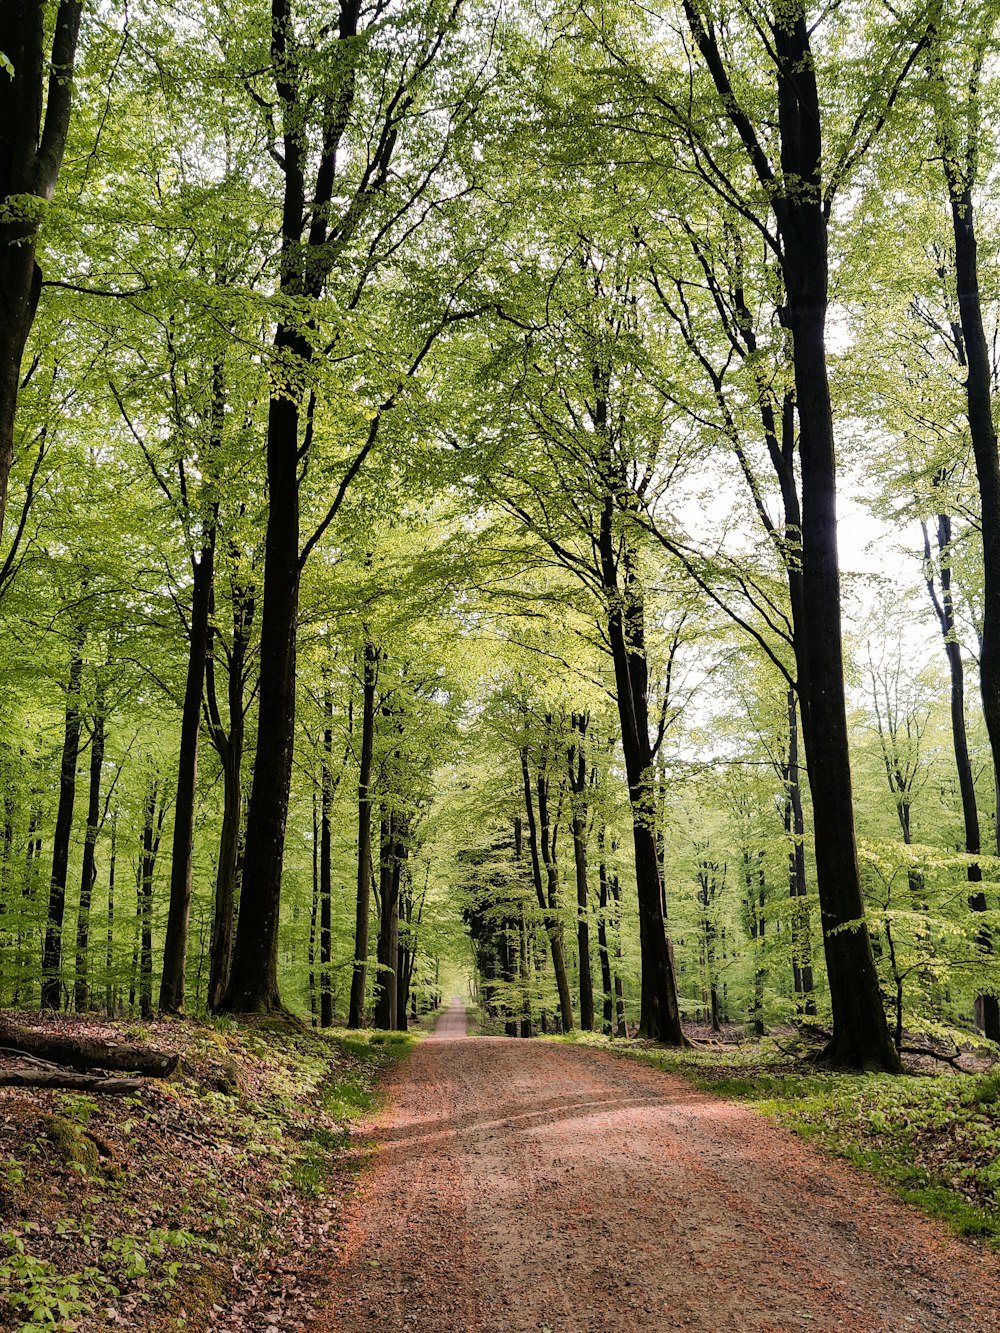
253	980
959	161
602	946
229	746
861	1036
110	1005
52	951
798	889
387	1004
325	881
152	827
545	903
172	979
987	1009
616	897
359	976
31	152
578	786
660	1018
86	1053
88	874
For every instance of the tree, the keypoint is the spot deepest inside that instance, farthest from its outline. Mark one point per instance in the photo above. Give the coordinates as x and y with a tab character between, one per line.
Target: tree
789	171
968	31
343	213
36	85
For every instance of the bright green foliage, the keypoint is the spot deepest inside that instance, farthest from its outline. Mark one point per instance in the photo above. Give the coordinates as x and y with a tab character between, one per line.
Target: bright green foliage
552	236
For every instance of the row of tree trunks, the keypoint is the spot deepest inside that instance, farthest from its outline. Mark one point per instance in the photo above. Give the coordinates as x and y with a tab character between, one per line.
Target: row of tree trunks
546	901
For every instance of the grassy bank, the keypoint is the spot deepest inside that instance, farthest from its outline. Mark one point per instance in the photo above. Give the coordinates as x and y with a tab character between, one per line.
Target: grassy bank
160	1211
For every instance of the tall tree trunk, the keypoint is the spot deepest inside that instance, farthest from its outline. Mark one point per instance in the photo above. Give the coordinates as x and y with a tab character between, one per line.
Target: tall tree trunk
52	952
578	785
175	946
616	898
152	827
987	1010
110	1005
413	915
660	1018
314	912
542	839
526	1023
388	935
325	881
24	941
8	949
253	980
359	976
602	944
755	901
959	161
88	874
229	746
861	1036
31	152
307	255
798	889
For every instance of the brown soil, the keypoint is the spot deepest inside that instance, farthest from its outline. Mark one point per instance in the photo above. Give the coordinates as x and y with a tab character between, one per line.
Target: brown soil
529	1186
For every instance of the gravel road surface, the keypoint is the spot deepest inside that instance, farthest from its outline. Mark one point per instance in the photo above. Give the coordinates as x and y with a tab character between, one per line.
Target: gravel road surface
528	1185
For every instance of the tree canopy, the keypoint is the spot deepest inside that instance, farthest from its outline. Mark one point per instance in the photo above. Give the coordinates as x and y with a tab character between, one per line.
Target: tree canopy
502	494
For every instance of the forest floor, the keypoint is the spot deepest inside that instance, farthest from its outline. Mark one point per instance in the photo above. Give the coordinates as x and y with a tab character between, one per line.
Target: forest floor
546	1186
505	1185
199	1204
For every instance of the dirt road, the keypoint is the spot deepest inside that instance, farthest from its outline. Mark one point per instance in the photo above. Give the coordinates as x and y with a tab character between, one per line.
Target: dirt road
525	1185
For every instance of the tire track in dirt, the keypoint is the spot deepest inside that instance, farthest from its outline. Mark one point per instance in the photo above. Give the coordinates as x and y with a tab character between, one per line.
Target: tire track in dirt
528	1186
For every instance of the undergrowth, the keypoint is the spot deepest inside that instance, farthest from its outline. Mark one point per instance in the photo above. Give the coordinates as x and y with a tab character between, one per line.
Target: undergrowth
935	1139
145	1212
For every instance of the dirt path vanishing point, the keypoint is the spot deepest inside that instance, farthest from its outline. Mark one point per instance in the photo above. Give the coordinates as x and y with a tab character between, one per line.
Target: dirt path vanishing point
522	1185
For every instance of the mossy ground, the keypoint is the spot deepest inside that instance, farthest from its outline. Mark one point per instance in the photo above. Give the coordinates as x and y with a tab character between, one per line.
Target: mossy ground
135	1212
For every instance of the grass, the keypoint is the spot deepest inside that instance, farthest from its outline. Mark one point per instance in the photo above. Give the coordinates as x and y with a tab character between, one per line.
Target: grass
934	1139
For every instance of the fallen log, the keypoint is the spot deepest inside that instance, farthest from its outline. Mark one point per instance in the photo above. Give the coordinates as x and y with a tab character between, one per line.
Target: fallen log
64	1078
85	1053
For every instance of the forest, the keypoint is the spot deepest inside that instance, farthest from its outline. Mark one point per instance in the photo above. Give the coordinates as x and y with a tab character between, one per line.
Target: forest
423	434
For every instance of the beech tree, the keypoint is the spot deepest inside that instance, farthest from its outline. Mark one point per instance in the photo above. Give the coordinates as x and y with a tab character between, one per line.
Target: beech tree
36	86
345	214
787	167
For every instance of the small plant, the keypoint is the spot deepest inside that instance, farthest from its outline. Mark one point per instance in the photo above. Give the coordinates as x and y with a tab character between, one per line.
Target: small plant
79	1107
986	1089
34	1287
